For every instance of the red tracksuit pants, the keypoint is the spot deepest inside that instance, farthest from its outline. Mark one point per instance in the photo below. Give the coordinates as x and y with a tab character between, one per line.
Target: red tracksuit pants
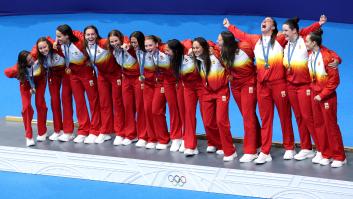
300	100
192	94
111	104
181	105
246	99
215	108
328	131
270	94
86	81
62	117
163	93
27	110
135	122
148	93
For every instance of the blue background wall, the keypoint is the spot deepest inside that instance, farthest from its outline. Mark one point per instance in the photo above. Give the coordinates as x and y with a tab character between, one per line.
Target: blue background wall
21	32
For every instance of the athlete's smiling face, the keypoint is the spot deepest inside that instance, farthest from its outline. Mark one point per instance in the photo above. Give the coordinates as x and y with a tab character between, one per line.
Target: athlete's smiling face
134	43
61	38
43	48
309	44
114	41
197	49
90	36
168	51
30	60
150	45
267	25
289	34
220	40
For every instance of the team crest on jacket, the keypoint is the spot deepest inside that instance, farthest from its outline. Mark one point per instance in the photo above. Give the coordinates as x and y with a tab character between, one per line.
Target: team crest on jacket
161	57
213	62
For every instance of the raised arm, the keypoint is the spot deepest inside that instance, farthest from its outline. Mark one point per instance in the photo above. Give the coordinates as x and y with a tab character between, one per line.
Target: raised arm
240	35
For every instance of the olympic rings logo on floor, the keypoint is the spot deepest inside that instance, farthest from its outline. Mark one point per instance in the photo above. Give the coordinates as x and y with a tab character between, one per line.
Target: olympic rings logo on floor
177	180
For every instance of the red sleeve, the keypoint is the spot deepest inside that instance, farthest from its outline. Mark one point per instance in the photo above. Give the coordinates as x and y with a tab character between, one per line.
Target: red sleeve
78	34
11	72
51	40
333	55
307	30
216	50
333	76
187	43
246	47
242	36
126	40
281	39
34	52
162	47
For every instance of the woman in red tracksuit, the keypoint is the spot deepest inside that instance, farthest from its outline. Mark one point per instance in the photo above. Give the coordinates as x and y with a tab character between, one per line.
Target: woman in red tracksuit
165	91
147	79
177	51
325	80
132	89
109	84
298	84
83	79
271	84
238	59
215	96
54	63
32	79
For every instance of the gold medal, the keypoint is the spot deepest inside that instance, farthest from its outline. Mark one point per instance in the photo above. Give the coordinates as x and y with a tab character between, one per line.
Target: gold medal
68	70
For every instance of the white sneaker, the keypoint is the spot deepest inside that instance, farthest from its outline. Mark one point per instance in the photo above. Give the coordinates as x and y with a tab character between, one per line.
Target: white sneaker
30	142
127	141
141	143
79	138
191	152
42	138
150	145
160	146
102	138
65	137
220	152
175	145
248	157
90	139
182	147
230	158
289	154
337	163
325	161
304	154
55	136
211	149
318	157
263	158
118	140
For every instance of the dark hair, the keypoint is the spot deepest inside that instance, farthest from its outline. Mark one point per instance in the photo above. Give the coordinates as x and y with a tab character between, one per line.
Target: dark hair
22	64
41	57
177	58
205	55
116	33
66	30
229	48
293	23
95	30
154	38
317	36
140	39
